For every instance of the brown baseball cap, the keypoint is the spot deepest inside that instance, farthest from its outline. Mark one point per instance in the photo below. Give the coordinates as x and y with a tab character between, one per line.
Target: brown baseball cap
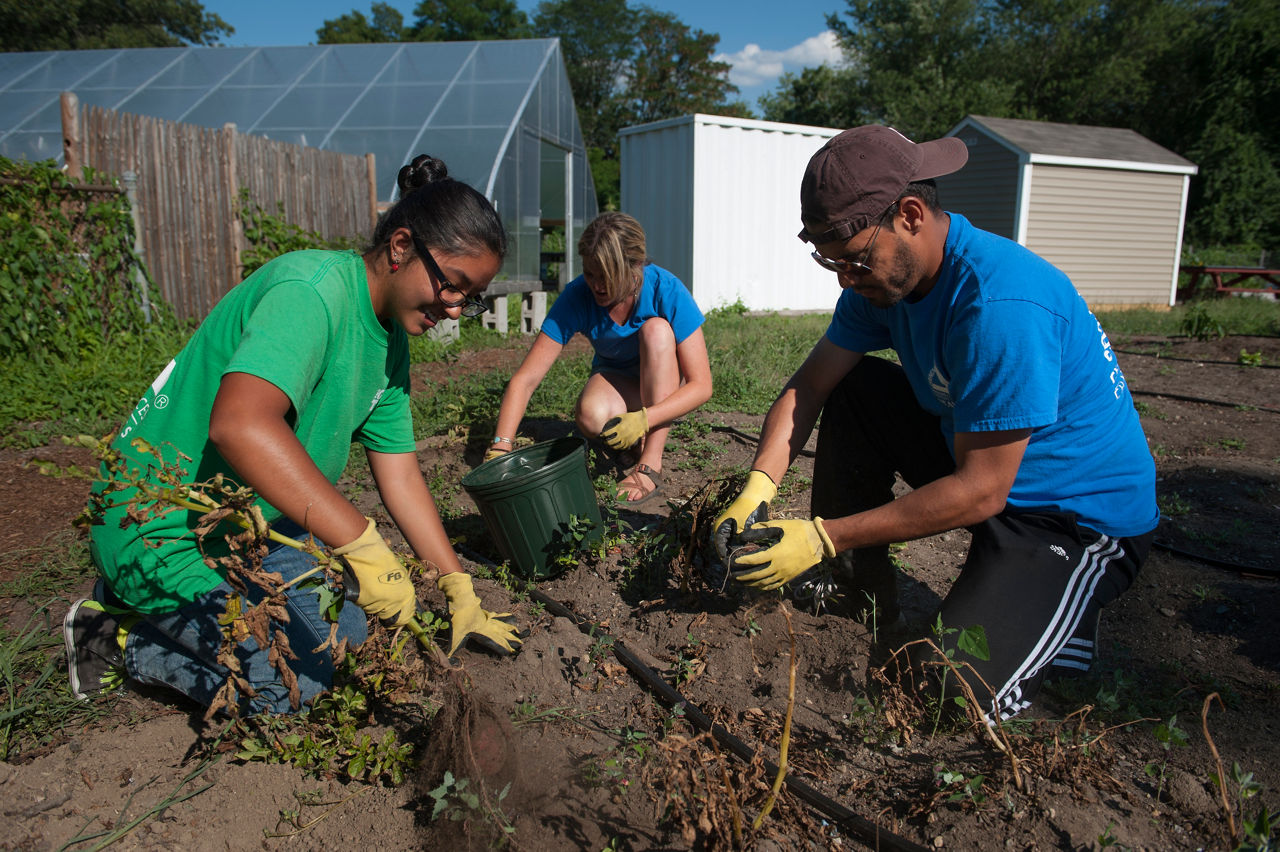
859	173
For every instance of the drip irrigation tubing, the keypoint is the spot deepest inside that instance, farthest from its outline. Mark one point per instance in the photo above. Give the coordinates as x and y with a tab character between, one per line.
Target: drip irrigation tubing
1214	562
863	829
1183	398
1195	360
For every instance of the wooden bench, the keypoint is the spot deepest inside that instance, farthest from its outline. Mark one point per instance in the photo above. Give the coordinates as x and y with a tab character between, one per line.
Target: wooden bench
1227	280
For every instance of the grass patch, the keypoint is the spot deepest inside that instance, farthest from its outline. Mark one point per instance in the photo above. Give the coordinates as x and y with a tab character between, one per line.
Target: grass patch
1232	316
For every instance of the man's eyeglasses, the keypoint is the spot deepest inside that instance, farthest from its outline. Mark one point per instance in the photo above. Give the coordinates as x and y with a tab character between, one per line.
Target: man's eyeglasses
856	268
449	295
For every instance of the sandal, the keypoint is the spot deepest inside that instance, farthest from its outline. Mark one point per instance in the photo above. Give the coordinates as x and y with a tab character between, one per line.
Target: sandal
646	499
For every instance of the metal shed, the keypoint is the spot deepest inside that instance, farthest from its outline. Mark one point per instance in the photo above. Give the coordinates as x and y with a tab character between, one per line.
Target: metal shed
1106	205
499	113
719	199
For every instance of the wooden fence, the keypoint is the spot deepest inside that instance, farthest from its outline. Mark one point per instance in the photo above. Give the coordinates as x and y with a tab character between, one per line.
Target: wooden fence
185	180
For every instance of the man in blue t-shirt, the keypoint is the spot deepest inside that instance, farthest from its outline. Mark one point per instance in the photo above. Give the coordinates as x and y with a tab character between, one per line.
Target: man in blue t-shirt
1008	416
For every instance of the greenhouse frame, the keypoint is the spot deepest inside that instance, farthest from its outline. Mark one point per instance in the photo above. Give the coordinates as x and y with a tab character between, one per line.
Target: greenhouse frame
499	113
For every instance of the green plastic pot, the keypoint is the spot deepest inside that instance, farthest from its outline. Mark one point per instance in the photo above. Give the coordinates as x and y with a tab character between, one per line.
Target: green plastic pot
526	499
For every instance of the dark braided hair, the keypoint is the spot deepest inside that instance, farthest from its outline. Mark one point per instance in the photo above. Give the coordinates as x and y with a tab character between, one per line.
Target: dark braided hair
443	212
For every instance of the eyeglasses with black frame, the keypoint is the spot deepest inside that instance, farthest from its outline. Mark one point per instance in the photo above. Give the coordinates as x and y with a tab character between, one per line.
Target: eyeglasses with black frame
471	306
857	268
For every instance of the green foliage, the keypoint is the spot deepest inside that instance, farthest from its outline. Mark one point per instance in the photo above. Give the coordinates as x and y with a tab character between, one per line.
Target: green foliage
270	235
752	357
387	24
468	20
630	64
91	24
1184	73
1199	325
35	701
1169	736
328	739
69	278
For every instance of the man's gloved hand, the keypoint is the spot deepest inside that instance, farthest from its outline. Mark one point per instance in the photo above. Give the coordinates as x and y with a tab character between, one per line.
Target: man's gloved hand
377	580
749	507
495	631
798	546
625	431
494	452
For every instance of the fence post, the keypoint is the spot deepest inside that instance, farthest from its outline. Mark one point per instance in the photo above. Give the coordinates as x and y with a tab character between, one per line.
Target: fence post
231	168
373	191
71	141
130	179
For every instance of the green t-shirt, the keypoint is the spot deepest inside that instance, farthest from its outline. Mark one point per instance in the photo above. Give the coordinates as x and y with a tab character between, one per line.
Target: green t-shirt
303	322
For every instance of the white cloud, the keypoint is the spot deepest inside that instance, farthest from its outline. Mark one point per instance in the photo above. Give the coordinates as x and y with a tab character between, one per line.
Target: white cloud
754	65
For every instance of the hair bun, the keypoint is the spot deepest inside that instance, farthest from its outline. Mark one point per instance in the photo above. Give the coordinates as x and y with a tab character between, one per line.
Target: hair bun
423	170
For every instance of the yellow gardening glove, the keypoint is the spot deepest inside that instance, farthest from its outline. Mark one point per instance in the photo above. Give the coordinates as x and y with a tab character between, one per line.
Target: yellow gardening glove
495	631
798	546
625	431
377	581
750	506
493	453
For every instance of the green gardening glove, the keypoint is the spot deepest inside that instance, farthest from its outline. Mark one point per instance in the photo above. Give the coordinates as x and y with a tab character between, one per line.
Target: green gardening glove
750	506
377	581
797	546
494	631
625	431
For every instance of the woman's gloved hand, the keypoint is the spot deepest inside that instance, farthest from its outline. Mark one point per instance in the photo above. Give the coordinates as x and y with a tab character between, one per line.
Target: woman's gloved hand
750	506
625	431
377	580
797	546
495	631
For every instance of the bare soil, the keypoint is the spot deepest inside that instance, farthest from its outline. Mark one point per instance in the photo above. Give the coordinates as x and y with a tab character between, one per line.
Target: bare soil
598	758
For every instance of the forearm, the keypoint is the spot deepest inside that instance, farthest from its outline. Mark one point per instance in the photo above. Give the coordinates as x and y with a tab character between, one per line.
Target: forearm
944	504
515	400
413	509
787	427
267	457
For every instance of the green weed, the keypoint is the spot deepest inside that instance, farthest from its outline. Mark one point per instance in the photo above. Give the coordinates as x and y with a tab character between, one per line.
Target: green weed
1169	736
1173	505
36	704
454	800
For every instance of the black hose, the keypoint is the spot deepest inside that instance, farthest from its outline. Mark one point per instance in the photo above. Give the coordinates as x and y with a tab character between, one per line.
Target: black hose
863	829
1224	564
1195	360
1203	401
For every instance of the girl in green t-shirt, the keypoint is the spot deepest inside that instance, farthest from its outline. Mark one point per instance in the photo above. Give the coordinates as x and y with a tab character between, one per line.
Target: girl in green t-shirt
304	357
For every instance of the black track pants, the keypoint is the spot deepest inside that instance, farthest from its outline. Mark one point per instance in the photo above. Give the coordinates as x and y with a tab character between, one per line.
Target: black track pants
1034	582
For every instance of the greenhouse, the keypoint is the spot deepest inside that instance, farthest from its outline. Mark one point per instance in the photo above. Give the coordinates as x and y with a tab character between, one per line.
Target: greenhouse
499	113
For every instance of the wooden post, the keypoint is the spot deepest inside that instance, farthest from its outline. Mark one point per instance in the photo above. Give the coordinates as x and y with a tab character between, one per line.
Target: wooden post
373	191
236	228
72	144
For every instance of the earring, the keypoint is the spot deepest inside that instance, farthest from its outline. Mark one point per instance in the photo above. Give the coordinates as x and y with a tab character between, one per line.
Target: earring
395	264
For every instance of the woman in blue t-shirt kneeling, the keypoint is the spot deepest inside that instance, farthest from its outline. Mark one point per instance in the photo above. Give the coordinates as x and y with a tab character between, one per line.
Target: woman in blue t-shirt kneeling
650	364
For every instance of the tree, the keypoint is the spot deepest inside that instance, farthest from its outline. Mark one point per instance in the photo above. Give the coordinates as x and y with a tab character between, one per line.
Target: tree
821	96
355	28
598	40
673	72
468	20
85	24
919	65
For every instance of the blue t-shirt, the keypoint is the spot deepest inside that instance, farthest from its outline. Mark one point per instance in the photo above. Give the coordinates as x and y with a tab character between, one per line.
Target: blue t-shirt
617	346
1004	341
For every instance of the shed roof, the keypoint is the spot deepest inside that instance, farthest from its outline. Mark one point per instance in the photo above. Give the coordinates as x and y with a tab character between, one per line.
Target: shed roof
1046	141
462	101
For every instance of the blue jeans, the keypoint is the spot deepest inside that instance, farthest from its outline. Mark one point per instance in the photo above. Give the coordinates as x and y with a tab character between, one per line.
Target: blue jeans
179	649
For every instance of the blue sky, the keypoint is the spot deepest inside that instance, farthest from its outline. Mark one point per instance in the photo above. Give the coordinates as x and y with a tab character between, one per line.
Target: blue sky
760	38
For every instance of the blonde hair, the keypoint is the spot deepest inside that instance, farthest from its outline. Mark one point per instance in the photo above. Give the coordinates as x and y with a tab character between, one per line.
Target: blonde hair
616	242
